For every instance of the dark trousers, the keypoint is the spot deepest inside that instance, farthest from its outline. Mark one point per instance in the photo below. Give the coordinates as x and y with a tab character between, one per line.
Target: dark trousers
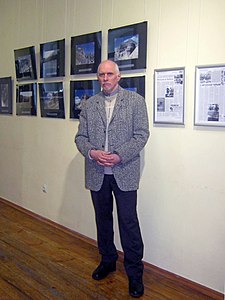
130	234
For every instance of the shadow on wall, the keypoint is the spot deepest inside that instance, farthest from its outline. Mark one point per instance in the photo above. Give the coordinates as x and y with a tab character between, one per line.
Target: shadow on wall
76	210
142	161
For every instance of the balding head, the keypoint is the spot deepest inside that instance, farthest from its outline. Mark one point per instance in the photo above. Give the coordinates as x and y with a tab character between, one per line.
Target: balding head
109	63
108	76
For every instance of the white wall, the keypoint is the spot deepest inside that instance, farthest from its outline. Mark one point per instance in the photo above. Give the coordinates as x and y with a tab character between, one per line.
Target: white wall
182	192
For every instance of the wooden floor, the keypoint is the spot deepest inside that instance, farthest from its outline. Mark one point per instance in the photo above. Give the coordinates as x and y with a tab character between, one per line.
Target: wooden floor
39	261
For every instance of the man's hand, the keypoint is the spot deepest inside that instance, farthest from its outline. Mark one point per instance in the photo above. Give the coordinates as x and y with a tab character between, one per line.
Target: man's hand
104	158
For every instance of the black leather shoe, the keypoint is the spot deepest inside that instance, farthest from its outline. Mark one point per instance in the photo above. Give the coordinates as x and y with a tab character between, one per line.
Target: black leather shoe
103	270
136	288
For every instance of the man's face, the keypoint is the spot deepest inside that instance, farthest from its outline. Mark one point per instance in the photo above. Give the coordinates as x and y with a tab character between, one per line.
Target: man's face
108	77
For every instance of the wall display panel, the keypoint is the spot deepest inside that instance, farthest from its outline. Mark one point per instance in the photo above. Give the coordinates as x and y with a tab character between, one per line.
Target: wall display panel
80	91
210	95
6	95
26	99
136	84
52	59
169	96
86	53
25	63
127	46
52	100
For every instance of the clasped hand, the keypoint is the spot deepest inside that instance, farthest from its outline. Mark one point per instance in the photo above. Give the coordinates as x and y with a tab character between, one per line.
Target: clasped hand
104	158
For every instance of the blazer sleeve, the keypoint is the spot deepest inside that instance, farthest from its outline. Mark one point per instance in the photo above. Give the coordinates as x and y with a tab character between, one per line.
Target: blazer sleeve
81	138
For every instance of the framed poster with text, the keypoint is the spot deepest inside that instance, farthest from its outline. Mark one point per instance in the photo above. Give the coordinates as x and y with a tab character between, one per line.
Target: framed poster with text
6	95
127	46
52	100
80	91
169	96
25	63
52	59
26	99
210	95
86	53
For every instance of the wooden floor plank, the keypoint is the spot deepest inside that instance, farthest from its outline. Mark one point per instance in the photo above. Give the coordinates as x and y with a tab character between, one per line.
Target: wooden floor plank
39	261
9	292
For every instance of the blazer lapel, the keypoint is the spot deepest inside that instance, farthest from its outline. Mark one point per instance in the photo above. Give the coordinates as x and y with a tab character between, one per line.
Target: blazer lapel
100	104
119	101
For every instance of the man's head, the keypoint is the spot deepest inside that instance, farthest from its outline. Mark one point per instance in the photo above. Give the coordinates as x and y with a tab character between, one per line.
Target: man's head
108	76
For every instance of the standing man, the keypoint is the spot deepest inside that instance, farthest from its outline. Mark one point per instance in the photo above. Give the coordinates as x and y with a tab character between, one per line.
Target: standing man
113	130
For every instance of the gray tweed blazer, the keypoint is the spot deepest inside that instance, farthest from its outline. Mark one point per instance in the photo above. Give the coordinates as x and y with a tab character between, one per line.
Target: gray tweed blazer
128	133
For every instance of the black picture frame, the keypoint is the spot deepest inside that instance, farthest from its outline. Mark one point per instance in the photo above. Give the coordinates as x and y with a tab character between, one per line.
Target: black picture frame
135	84
6	95
25	63
209	108
86	53
169	96
127	46
26	99
81	91
52	100
52	59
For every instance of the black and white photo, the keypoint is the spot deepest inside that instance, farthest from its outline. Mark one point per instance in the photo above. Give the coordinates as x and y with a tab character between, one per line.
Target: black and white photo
52	100
26	99
6	95
52	59
25	63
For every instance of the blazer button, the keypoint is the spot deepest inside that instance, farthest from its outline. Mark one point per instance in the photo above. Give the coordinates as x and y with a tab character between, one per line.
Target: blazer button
103	146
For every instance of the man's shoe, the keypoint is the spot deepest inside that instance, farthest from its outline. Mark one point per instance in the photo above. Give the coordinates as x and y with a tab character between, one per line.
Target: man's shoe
103	270
136	287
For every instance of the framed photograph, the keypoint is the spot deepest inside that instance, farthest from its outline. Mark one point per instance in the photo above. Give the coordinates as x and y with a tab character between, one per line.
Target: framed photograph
52	59
127	46
210	95
26	99
52	100
80	91
6	95
136	84
169	96
25	63
86	53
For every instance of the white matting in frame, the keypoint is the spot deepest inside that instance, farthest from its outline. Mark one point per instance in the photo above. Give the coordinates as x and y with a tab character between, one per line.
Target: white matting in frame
210	95
169	96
